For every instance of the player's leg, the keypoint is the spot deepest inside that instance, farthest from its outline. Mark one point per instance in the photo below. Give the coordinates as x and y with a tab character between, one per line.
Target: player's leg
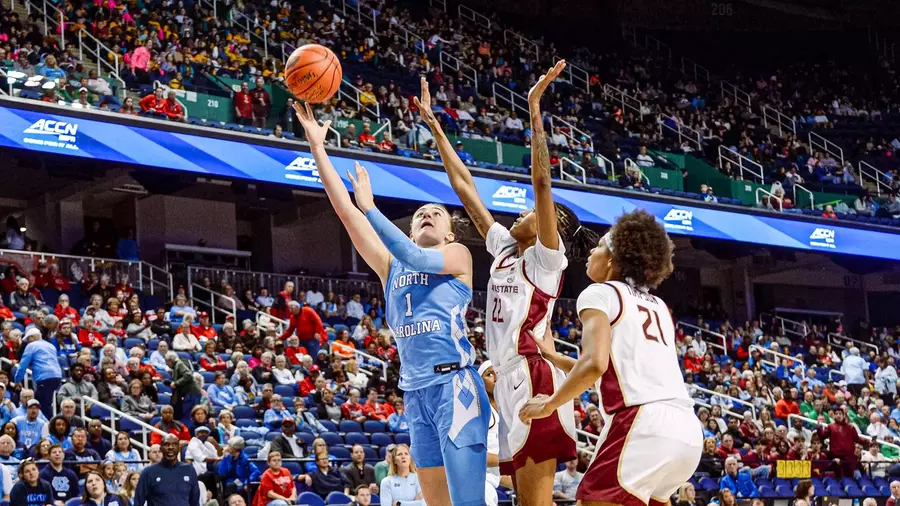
425	447
534	483
462	419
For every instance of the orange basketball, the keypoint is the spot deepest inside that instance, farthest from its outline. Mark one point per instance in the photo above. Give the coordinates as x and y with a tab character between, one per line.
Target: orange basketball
313	73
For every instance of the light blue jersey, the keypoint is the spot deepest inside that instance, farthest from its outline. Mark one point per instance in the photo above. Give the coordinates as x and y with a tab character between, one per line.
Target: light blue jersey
426	313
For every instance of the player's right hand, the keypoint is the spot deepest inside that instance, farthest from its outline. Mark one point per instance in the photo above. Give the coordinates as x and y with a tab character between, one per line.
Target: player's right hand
424	105
315	133
546	345
536	407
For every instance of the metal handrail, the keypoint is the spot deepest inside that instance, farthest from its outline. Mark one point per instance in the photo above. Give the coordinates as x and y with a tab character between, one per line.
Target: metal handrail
574	72
153	283
266	279
816	141
726	396
684	132
356	97
455	64
113	413
696	69
514	99
876	176
723	346
213	298
782	121
567	344
383	363
861	433
627	101
832	372
565	175
263	320
855	341
114	69
473	16
812	197
727	154
740	96
724	411
371	15
771	196
794	360
28	376
660	46
59	15
525	43
442	3
571	130
787	330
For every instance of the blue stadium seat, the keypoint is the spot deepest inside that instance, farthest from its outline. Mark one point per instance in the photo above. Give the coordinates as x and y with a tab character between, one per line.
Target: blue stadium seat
244	412
767	491
402	439
131	342
349	425
272	435
332	439
306	437
310	499
707	484
165	398
356	438
328	424
373	426
381	439
285	391
870	490
784	491
246	422
834	490
295	468
128	426
99	412
338	498
371	454
208	377
341	453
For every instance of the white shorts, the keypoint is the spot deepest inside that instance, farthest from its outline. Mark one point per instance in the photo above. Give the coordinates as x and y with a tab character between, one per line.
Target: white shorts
548	438
643	455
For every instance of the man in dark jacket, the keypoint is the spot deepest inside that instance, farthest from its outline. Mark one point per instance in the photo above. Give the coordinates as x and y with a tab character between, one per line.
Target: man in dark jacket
185	387
168	483
357	472
290	446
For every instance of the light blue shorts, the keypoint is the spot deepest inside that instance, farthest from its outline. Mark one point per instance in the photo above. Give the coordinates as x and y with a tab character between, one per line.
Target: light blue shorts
448	426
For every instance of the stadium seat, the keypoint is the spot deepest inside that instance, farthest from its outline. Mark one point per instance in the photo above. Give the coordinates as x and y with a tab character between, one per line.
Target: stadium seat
338	498
349	426
244	412
356	438
285	391
332	438
784	491
328	424
310	499
341	453
373	426
296	468
306	437
246	422
381	439
707	484
164	399
401	439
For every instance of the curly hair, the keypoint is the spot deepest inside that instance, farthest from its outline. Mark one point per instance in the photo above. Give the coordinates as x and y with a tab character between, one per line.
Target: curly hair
580	239
642	249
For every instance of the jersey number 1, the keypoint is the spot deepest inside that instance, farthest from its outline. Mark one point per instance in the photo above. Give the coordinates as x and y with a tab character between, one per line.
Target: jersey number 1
652	317
408	305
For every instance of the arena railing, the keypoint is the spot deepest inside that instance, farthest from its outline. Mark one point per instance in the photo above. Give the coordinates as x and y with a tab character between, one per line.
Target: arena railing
441	3
791	326
771	196
795	362
734	400
198	294
150	278
456	65
571	130
592	439
723	346
867	170
773	118
467	14
861	433
115	415
516	101
525	44
812	196
356	97
27	381
627	101
241	280
693	69
728	155
841	339
382	363
816	141
264	319
741	97
565	175
684	132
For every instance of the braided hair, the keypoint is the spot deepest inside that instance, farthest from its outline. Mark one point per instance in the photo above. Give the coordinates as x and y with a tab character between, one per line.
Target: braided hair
579	238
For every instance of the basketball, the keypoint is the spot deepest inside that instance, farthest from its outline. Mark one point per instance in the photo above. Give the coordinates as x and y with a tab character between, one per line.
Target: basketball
313	73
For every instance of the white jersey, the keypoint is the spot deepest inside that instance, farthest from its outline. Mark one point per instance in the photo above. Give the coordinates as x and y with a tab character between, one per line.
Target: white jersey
643	362
520	294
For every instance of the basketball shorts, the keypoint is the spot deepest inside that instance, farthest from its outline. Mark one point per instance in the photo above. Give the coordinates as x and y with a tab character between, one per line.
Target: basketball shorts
544	439
643	455
448	426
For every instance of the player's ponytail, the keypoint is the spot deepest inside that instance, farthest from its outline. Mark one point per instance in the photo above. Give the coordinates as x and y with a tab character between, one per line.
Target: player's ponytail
580	239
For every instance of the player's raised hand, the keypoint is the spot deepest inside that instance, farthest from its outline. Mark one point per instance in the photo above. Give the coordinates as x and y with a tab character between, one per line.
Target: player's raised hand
362	188
424	104
536	407
534	95
547	345
315	133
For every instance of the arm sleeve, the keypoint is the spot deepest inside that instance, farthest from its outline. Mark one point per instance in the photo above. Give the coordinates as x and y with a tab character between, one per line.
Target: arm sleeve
386	498
7	479
194	499
23	364
603	297
498	239
402	248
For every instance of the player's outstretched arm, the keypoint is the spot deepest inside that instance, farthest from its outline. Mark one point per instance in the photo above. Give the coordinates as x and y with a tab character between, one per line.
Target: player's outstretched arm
361	232
460	177
452	258
540	162
594	361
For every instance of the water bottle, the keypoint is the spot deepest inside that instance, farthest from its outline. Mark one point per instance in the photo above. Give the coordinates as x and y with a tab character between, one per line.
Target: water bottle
856	502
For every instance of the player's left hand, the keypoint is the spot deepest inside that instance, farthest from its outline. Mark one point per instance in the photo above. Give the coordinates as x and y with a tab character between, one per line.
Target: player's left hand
536	407
534	95
362	188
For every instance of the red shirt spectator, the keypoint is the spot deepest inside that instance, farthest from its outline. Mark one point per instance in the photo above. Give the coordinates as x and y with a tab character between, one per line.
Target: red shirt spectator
842	435
281	482
373	409
387	145
353	410
210	361
170	427
172	109
153	103
305	321
90	338
366	139
243	104
786	406
279	309
727	449
67	312
308	384
204	330
294	353
691	362
262	104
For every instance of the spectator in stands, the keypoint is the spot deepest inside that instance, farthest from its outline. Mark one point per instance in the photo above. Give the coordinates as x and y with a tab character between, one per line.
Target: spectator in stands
854	368
352	409
357	473
64	310
327	409
30	489
211	361
162	329
23	299
466	158
306	323
276	487
739	484
787	405
122	451
262	103
277	413
186	391
62	480
398	421
326	479
80	452
203	453
29	426
644	159
184	340
566	482
229	301
886	380
110	387
279	308
137	403
96	439
234	467
243	105
155	486
40	357
287	443
843	438
402	483
172	108
264	299
154	102
376	410
168	424
180	309
804	493
829	212
280	372
220	394
263	372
